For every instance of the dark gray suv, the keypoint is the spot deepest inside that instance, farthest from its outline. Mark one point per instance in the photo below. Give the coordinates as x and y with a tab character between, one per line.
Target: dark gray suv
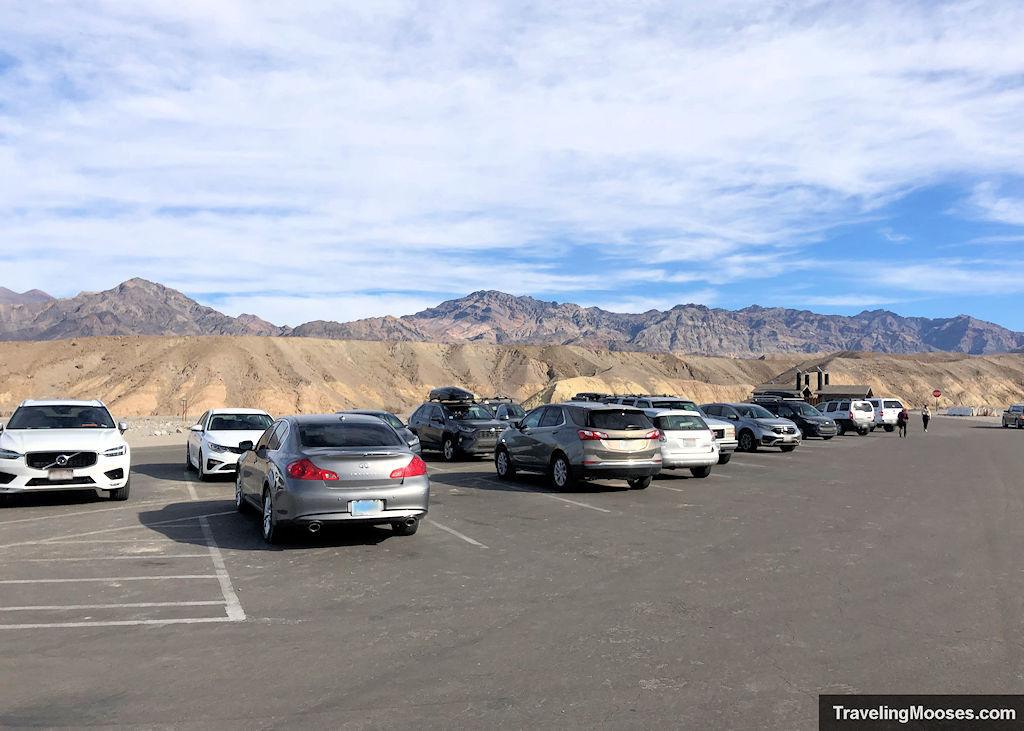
455	425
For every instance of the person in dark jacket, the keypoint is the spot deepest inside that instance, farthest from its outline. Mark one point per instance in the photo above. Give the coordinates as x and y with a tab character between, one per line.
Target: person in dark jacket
926	416
901	421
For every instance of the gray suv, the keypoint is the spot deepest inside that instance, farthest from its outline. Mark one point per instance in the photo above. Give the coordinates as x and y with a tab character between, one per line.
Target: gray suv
756	426
455	425
579	441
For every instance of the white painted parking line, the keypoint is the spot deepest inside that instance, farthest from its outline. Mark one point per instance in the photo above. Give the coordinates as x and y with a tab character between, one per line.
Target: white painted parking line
560	499
191	488
80	512
231	603
108	540
134	557
132	605
455	533
120	623
666	487
108	578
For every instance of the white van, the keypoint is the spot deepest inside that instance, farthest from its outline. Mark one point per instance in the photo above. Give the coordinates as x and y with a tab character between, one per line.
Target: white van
886	411
850	415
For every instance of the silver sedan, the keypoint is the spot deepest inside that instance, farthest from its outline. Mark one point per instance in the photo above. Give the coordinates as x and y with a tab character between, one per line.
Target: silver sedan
341	468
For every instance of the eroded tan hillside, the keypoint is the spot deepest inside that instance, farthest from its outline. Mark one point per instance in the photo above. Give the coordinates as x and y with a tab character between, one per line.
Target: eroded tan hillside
142	375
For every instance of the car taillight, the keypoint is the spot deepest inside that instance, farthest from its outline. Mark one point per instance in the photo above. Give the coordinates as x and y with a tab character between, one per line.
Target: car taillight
588	434
654	434
306	470
851	416
415	468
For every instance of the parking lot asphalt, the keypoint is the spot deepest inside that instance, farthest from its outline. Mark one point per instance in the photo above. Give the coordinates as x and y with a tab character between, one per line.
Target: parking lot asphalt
863	564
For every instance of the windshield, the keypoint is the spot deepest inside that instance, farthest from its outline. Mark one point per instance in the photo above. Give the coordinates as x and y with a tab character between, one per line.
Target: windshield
619	419
469	412
893	405
804	409
348	435
753	411
862	406
240	422
679	422
61	416
515	411
384	416
680	404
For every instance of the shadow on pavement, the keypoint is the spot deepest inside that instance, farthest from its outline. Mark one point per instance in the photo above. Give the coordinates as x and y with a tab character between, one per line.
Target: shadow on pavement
51	497
487	480
242	531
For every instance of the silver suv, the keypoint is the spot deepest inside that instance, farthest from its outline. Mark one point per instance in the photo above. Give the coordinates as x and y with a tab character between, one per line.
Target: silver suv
850	415
580	441
756	426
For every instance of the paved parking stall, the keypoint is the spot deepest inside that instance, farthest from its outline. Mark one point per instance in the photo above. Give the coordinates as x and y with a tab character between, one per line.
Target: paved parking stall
862	564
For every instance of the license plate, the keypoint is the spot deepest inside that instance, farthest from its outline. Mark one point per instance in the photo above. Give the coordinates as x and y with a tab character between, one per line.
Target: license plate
689	442
366	507
624	444
56	475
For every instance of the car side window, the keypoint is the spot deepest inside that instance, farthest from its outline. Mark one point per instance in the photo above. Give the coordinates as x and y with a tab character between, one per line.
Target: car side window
532	419
844	405
712	410
418	414
262	443
278	436
202	420
784	410
552	417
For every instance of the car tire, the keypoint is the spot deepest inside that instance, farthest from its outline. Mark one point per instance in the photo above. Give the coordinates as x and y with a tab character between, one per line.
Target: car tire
700	471
5	499
561	473
639	483
1020	424
122	493
840	429
448	449
271	529
239	497
503	465
863	432
787	447
747	442
890	428
201	469
188	459
724	458
401	529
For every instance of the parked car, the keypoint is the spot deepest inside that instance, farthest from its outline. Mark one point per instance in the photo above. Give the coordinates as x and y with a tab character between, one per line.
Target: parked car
850	415
581	440
687	442
590	396
64	444
886	410
332	468
453	423
756	426
1014	416
725	431
504	409
388	418
810	421
212	446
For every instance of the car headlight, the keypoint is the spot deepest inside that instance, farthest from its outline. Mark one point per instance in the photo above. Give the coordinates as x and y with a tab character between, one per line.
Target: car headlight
216	447
466	429
414	441
8	454
115	451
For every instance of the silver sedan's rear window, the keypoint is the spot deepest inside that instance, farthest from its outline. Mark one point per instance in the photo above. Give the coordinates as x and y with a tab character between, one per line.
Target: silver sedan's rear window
348	435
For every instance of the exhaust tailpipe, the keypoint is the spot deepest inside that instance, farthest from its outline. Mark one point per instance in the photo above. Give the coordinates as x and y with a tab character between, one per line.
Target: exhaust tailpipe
314	527
410	522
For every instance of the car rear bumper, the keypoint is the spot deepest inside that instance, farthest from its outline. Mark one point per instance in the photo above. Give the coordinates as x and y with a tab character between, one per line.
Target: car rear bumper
306	503
727	445
618	470
677	461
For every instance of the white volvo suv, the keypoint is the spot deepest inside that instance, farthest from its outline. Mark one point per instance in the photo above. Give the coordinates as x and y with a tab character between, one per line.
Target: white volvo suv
63	444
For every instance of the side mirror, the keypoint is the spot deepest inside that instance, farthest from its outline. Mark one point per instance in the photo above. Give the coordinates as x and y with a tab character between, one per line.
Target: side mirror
197	427
122	426
245	446
733	417
517	424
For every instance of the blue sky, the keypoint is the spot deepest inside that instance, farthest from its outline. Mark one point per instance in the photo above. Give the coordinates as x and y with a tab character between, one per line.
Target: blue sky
342	160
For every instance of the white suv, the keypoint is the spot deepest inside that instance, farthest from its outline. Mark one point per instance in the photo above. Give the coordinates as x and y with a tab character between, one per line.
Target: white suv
850	415
886	411
62	444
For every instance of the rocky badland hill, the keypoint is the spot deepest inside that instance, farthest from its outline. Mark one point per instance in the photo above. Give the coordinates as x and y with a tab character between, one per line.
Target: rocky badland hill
138	307
140	376
32	296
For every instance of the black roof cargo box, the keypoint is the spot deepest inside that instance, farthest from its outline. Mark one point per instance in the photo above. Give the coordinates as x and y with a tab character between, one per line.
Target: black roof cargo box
451	393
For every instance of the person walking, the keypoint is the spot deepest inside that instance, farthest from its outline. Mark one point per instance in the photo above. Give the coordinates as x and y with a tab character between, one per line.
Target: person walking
926	416
901	420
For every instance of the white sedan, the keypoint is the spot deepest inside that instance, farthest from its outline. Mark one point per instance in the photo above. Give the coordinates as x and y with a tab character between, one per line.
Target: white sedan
212	447
64	444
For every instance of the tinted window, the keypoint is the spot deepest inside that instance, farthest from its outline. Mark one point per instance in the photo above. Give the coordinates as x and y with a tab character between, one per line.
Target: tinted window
348	435
552	417
678	404
893	405
515	411
804	409
239	422
844	406
386	417
679	422
863	407
60	416
753	411
469	412
276	436
532	419
265	438
711	409
620	419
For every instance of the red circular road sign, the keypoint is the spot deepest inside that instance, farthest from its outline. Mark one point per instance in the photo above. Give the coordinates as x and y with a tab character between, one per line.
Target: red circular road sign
936	393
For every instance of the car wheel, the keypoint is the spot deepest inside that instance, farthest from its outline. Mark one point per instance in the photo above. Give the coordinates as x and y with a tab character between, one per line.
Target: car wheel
863	432
787	447
271	528
405	529
448	449
1020	424
188	459
700	471
5	499
201	469
239	497
122	493
724	458
890	428
561	473
840	429
639	483
503	465
747	442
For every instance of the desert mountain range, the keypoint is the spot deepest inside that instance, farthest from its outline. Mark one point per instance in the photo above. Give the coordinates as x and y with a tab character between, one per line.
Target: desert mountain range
140	307
149	375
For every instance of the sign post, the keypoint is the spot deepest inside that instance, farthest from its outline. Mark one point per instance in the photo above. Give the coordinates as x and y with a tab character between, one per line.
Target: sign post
936	393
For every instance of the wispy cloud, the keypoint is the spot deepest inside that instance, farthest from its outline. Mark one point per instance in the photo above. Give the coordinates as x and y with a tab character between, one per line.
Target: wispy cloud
554	149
